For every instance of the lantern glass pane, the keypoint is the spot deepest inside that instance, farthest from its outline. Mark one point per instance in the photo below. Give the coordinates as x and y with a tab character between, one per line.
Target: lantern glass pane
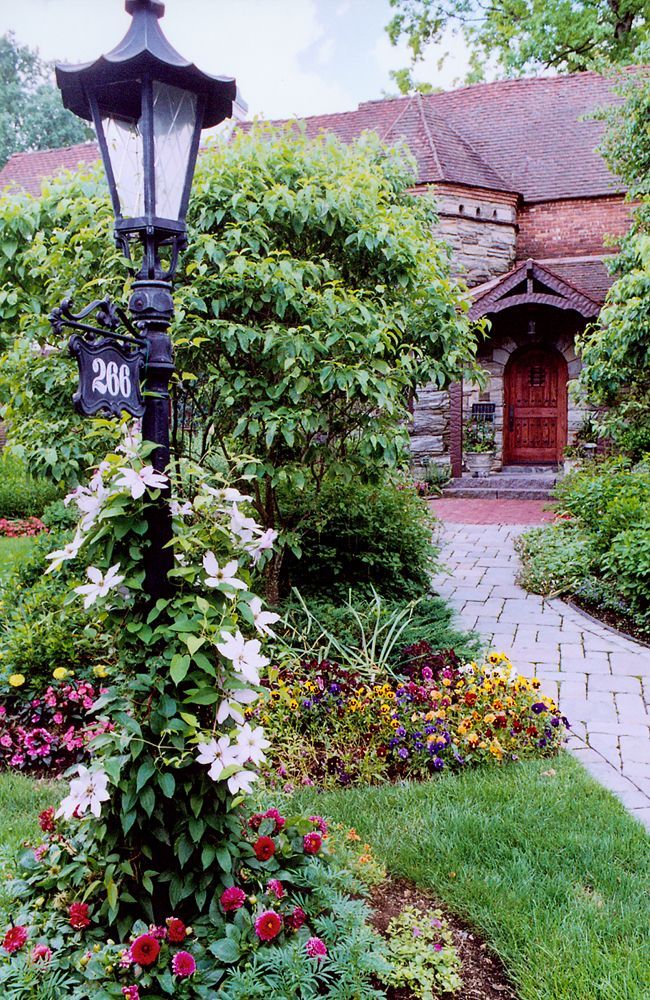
174	120
125	147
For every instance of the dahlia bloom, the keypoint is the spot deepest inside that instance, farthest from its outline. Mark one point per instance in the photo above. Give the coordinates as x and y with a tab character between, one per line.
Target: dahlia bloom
275	886
176	930
232	898
145	949
78	914
131	992
315	948
41	953
264	848
183	964
46	820
295	920
14	939
312	843
268	925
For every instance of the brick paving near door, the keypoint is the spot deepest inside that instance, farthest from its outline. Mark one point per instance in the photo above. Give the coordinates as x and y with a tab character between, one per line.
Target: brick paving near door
601	679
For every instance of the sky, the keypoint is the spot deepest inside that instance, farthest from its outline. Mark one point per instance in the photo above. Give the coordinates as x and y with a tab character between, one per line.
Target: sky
290	57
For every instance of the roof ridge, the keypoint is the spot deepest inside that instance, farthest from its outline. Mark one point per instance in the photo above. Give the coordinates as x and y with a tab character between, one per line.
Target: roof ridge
427	132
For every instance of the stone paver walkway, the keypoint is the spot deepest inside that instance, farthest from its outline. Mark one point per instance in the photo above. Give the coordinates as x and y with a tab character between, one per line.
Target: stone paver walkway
601	680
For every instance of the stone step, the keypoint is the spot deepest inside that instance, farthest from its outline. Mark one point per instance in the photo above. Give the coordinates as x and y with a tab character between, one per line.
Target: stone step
486	492
529	470
498	481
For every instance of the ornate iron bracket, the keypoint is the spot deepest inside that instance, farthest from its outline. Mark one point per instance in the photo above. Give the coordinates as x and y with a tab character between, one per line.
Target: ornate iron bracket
111	362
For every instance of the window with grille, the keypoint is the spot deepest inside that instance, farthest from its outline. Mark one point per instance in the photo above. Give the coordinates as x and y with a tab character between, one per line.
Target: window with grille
537	375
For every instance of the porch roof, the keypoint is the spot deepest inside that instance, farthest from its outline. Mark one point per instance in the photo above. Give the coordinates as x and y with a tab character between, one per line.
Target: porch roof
533	282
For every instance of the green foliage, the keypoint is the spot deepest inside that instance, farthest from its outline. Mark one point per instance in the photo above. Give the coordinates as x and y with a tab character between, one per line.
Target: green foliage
422	950
31	113
325	629
22	495
478	437
602	555
312	302
39	629
522	36
360	536
555	559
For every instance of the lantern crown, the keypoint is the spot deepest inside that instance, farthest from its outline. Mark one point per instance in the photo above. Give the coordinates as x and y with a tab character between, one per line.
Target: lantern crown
143	52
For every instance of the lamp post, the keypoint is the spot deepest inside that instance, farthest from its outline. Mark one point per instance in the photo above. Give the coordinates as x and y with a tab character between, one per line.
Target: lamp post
148	106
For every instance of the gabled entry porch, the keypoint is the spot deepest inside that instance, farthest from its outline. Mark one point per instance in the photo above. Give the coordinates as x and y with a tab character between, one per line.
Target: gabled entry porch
530	361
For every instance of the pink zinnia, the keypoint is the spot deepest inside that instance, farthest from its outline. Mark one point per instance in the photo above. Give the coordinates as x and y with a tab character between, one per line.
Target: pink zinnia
275	886
312	843
268	925
315	948
14	939
41	953
183	964
232	898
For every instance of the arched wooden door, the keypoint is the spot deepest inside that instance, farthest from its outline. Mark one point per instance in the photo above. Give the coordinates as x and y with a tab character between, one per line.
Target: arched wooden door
535	418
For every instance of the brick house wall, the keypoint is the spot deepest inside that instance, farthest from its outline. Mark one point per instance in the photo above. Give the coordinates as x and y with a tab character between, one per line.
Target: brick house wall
574	226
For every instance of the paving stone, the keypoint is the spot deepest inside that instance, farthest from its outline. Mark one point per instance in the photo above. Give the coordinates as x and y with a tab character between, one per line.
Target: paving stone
643	816
596	672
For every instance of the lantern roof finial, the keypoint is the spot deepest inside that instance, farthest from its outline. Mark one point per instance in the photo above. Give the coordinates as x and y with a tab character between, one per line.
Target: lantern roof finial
157	7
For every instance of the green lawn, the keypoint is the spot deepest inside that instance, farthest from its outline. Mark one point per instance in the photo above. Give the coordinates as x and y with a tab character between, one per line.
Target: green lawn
551	869
11	551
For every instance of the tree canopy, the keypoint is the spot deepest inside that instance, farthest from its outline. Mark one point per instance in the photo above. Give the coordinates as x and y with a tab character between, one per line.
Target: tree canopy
312	303
31	113
523	36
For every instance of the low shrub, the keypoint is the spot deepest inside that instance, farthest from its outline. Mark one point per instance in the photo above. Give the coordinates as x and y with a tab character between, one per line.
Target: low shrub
555	558
22	495
361	536
40	630
627	564
329	727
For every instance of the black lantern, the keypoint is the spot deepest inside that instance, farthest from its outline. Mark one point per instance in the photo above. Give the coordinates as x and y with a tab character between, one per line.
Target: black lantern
148	105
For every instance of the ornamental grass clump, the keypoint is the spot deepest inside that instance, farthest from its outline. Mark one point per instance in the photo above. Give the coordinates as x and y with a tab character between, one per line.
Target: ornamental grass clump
154	835
327	726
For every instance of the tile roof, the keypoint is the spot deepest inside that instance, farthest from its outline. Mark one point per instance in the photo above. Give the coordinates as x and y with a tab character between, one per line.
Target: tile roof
529	136
586	275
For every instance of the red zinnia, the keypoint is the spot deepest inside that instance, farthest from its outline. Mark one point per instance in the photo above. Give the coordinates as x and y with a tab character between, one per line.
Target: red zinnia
14	939
183	964
264	848
296	918
268	925
176	930
78	914
145	949
312	842
46	820
232	898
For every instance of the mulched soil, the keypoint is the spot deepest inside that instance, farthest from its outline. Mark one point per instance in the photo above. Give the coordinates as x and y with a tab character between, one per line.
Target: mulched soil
619	623
484	976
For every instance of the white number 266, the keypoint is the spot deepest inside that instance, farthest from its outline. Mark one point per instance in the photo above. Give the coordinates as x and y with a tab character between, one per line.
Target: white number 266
111	378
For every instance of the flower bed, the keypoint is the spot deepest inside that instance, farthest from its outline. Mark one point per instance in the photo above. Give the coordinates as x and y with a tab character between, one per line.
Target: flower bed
328	727
21	528
50	732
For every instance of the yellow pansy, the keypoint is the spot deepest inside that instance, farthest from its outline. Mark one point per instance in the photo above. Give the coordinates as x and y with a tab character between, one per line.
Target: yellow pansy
17	680
100	670
59	674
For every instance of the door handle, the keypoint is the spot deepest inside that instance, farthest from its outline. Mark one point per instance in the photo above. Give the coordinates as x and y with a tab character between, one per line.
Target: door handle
511	417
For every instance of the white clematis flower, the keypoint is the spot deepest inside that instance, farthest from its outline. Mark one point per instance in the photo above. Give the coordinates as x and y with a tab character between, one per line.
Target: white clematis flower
136	483
219	754
69	551
100	584
245	655
218	575
179	509
229	708
262	619
241	781
251	744
244	528
87	791
257	546
227	495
